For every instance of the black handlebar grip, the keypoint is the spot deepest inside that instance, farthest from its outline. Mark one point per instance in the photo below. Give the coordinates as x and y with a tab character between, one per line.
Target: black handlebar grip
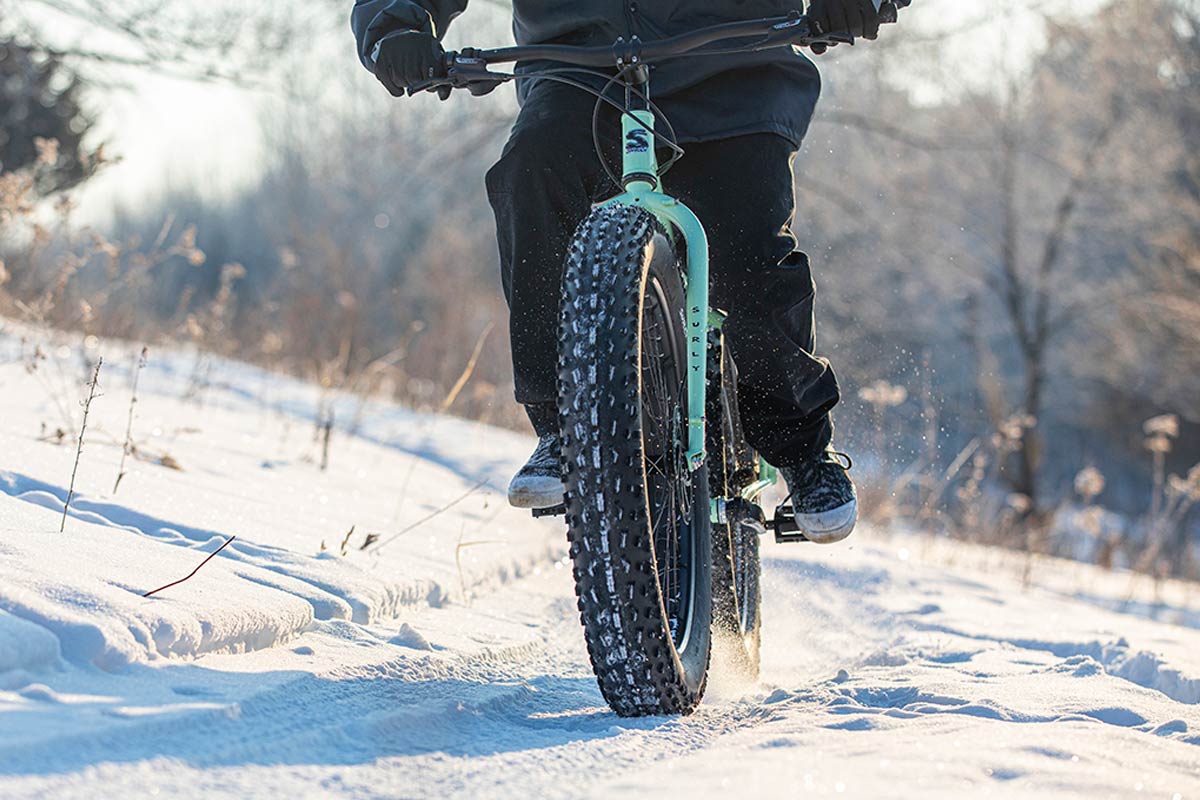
433	83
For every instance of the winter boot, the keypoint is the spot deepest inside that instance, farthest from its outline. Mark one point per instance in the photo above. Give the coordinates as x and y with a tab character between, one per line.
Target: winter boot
823	497
539	483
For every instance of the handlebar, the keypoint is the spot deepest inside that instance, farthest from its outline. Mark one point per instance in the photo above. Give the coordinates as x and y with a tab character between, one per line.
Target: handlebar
470	65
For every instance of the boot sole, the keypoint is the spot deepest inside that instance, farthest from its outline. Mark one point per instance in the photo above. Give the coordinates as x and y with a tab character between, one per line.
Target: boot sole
535	493
829	527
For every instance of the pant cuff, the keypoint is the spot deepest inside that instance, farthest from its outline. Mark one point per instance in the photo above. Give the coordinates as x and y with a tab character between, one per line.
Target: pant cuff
543	417
804	445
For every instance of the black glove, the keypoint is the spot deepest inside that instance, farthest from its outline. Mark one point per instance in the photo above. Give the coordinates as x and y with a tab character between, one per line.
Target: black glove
409	58
855	17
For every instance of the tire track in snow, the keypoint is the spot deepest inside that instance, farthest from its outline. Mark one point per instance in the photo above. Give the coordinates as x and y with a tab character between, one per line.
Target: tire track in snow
1115	658
334	589
530	708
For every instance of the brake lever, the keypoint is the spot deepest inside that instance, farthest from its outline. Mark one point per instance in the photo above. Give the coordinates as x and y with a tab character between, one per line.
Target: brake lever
833	39
462	69
431	85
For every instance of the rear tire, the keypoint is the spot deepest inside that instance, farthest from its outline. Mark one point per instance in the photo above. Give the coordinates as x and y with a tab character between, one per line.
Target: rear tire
638	518
733	465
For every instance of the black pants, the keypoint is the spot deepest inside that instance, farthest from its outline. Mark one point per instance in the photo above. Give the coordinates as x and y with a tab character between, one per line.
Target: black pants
741	189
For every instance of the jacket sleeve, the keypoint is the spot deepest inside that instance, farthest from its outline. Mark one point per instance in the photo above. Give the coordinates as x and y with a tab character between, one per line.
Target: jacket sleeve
372	20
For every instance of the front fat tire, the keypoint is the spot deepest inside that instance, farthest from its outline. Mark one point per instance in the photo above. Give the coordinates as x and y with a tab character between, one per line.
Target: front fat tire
618	252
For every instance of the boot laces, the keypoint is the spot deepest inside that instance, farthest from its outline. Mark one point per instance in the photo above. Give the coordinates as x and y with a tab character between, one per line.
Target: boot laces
843	460
812	470
548	452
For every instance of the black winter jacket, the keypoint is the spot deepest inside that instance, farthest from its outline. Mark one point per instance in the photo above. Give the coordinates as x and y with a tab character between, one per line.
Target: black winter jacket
711	97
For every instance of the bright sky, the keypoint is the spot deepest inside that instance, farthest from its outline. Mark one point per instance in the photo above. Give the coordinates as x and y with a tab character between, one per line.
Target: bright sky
169	132
177	133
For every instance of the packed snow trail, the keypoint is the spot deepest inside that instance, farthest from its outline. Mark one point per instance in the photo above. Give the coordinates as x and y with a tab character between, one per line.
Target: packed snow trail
451	663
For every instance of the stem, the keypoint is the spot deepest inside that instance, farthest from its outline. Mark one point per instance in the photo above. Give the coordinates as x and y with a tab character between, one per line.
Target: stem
128	446
432	515
470	368
1159	479
87	406
326	435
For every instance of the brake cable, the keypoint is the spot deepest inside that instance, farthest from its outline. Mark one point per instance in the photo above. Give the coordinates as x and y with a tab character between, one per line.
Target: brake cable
558	74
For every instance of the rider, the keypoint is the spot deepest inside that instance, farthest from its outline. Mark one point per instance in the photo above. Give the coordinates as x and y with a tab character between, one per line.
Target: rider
742	118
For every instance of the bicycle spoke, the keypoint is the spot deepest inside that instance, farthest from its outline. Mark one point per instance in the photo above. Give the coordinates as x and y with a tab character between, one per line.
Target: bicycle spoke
664	460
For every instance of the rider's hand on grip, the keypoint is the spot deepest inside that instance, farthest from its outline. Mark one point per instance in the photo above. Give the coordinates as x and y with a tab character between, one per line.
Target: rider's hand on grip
407	59
855	17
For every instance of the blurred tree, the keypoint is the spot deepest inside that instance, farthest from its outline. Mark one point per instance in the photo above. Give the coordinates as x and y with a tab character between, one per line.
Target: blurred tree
1051	215
1170	275
42	118
216	40
1040	275
1080	177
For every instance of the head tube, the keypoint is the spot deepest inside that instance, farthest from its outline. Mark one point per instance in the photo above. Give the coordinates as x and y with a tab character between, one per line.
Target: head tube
639	156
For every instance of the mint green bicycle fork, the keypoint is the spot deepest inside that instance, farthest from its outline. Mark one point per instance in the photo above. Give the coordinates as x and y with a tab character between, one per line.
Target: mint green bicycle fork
643	188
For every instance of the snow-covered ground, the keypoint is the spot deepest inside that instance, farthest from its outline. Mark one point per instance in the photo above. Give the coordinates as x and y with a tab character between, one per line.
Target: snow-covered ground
447	660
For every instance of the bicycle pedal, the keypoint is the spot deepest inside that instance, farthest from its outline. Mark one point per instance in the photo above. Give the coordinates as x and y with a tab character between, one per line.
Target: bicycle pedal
785	527
559	510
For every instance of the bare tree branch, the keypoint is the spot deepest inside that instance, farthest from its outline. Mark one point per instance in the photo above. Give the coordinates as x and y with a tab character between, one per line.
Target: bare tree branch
1063	213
